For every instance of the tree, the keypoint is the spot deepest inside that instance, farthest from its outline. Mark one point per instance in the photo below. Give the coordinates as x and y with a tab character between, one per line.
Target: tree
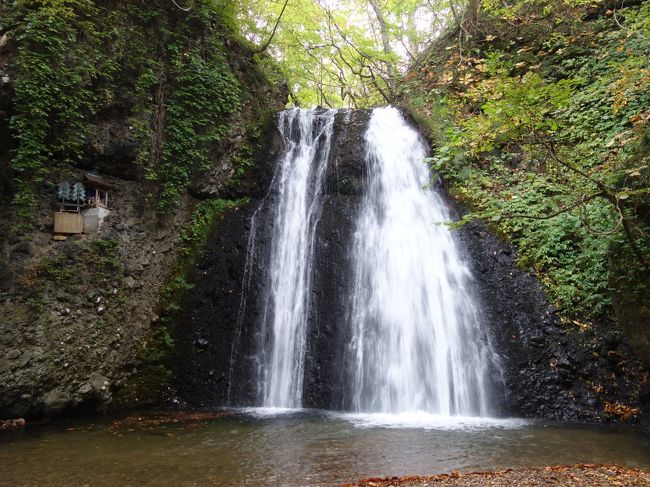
342	53
388	50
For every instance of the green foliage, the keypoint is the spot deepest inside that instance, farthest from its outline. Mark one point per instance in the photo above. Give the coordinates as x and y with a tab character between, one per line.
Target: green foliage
333	54
548	142
154	376
169	69
160	344
202	222
58	61
56	269
521	106
205	93
102	256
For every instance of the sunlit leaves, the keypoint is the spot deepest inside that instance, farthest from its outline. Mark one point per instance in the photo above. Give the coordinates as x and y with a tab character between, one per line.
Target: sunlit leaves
331	51
549	142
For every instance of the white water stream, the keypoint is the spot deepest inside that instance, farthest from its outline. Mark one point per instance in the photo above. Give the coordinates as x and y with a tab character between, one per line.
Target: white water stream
308	135
417	344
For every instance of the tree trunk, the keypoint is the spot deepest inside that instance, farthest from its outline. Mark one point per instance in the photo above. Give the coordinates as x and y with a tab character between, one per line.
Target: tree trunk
471	17
390	70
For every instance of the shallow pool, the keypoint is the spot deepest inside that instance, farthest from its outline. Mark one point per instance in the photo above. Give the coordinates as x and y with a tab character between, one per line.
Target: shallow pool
297	448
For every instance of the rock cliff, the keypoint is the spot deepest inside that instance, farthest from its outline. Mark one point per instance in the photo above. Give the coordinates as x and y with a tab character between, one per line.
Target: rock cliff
81	318
548	370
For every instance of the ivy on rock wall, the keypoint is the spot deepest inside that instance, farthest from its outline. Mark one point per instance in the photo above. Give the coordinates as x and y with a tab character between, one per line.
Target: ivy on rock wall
159	100
168	71
59	58
205	93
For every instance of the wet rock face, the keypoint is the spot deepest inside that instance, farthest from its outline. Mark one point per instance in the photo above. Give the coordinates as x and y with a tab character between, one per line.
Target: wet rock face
549	370
210	334
327	336
206	332
225	369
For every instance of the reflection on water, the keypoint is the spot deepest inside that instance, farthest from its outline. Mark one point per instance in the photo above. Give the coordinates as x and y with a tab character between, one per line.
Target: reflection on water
300	448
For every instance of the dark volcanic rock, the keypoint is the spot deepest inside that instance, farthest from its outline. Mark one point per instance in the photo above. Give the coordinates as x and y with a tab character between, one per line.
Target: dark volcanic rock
225	370
551	370
215	345
205	334
327	336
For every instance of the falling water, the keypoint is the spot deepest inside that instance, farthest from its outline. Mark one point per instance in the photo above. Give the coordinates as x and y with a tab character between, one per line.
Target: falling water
308	134
417	341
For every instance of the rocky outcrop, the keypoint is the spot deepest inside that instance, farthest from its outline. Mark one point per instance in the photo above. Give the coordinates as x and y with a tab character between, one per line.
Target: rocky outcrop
76	315
551	369
209	326
324	381
218	333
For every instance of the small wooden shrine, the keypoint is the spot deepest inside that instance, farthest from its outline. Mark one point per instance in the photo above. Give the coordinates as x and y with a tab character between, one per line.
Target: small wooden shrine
82	205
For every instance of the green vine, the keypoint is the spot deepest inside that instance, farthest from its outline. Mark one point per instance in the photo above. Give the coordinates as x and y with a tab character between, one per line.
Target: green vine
58	61
205	93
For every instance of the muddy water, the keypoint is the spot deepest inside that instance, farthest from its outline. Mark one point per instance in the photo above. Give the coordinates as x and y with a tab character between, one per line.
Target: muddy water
303	448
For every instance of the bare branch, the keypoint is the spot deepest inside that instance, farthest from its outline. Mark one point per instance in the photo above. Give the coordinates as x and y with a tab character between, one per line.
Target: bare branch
184	9
275	28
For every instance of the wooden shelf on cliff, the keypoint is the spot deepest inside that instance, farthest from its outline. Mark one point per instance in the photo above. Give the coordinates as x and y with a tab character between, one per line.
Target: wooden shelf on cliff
84	215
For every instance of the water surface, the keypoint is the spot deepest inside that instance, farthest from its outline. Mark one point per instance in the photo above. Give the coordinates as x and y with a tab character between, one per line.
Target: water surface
300	448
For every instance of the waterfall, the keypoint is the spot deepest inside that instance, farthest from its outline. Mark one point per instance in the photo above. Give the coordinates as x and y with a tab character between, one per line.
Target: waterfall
417	340
299	187
414	340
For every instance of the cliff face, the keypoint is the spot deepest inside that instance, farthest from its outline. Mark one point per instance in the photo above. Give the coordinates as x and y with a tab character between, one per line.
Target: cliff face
548	370
218	331
176	114
172	111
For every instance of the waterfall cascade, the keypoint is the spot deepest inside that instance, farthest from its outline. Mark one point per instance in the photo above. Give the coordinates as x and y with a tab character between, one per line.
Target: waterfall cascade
417	343
301	170
416	339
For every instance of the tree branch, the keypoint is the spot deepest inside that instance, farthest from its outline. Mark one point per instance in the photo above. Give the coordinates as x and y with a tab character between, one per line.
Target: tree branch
275	28
184	9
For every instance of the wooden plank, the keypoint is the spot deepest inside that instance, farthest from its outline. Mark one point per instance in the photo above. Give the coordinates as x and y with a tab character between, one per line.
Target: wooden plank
68	223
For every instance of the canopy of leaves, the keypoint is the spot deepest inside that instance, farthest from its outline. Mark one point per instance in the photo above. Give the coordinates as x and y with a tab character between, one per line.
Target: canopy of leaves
332	52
